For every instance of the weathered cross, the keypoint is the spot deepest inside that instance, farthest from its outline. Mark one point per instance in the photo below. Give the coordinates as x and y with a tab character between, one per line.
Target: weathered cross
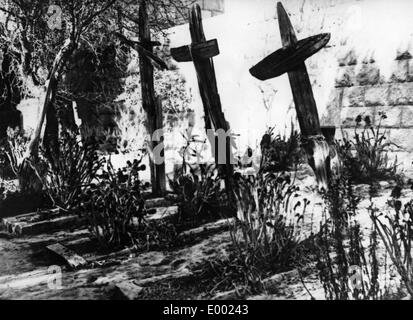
150	103
200	52
290	58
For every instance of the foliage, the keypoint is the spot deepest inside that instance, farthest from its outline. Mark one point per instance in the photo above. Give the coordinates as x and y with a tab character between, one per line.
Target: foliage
341	251
15	152
265	233
396	231
70	169
202	193
280	153
366	156
111	203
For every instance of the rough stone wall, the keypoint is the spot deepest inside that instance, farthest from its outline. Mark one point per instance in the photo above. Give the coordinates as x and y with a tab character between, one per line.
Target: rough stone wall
360	89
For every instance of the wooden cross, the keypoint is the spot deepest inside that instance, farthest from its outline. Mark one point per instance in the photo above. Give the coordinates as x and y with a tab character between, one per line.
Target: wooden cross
151	104
290	58
200	52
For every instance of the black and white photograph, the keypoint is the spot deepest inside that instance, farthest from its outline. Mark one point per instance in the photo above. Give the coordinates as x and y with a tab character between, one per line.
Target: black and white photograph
224	151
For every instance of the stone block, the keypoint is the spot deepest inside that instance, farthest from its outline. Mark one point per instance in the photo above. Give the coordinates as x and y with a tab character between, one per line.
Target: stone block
407	116
345	77
410	71
391	118
399	71
331	116
369	74
353	97
402	138
377	95
349	115
403	161
347	59
403	55
401	94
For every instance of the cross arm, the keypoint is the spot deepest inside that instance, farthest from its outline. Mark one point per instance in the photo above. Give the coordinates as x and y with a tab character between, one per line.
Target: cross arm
289	58
140	48
202	50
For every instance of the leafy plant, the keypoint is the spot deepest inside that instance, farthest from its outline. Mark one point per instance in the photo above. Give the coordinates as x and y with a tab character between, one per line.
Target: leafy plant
366	156
70	170
111	204
340	249
266	232
202	193
280	153
15	151
396	231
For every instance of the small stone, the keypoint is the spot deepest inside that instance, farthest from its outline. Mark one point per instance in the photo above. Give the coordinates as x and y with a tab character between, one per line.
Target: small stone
128	290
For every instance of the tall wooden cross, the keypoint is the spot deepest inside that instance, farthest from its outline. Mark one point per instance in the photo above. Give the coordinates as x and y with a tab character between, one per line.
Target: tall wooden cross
200	52
290	59
150	103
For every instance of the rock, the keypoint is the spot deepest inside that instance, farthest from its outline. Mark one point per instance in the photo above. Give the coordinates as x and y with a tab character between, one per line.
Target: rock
72	259
164	212
207	228
40	222
128	290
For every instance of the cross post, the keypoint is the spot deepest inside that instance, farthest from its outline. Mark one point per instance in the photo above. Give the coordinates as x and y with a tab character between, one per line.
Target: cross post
290	59
201	52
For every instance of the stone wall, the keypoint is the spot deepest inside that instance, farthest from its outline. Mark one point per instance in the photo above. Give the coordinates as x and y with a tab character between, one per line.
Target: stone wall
361	89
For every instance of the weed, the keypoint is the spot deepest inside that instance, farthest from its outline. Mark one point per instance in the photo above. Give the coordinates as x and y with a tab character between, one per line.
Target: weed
110	206
280	153
366	155
396	231
70	170
347	269
202	193
265	233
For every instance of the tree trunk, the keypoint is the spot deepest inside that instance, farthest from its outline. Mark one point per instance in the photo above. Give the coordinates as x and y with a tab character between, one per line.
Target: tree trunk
51	87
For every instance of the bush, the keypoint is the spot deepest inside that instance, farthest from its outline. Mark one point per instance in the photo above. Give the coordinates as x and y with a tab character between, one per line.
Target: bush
202	193
111	204
280	153
69	170
366	156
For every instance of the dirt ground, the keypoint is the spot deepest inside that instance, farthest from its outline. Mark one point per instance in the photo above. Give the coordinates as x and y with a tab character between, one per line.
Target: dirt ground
169	274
